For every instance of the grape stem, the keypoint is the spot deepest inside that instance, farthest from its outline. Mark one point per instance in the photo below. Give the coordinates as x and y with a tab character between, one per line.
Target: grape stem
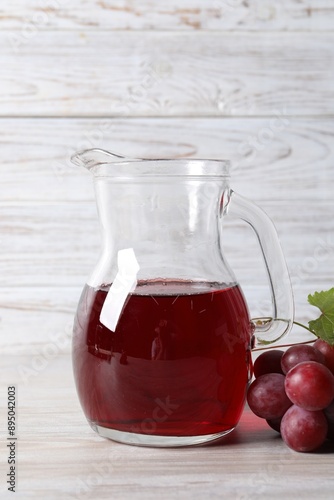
303	326
289	345
281	345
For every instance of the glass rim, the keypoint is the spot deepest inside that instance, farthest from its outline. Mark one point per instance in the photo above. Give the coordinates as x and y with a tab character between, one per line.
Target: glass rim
162	167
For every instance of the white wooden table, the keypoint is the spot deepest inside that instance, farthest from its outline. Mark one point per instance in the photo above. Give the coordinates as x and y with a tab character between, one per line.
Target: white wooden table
59	456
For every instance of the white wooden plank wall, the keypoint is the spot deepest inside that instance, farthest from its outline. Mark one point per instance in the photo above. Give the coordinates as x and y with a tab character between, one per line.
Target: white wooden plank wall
252	81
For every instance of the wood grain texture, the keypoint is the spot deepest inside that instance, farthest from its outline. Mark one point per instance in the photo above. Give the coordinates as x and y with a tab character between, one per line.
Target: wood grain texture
59	455
131	74
294	162
253	15
37	320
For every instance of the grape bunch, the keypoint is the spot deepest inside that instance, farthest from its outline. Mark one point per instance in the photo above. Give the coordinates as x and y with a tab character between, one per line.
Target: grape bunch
294	392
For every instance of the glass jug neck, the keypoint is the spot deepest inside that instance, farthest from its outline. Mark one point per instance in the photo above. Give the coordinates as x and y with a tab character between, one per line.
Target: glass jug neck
171	222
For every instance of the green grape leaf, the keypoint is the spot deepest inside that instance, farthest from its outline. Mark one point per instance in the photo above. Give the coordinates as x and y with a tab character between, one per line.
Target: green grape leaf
323	327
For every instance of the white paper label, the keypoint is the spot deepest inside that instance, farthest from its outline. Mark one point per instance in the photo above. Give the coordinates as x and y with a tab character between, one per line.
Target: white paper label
124	283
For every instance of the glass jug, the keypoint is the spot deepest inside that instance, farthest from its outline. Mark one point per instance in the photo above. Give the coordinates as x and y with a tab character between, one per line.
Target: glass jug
162	336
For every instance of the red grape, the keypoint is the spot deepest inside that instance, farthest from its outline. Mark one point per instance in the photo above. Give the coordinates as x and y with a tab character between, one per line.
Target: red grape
310	385
268	362
303	430
298	353
266	396
328	352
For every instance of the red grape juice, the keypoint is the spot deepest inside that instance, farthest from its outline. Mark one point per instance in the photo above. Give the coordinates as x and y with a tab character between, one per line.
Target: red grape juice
178	363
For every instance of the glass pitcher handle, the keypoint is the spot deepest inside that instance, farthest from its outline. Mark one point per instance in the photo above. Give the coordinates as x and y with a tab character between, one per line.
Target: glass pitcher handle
267	329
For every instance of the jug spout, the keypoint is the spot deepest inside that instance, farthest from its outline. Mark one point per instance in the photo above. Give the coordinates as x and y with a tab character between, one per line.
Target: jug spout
90	158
